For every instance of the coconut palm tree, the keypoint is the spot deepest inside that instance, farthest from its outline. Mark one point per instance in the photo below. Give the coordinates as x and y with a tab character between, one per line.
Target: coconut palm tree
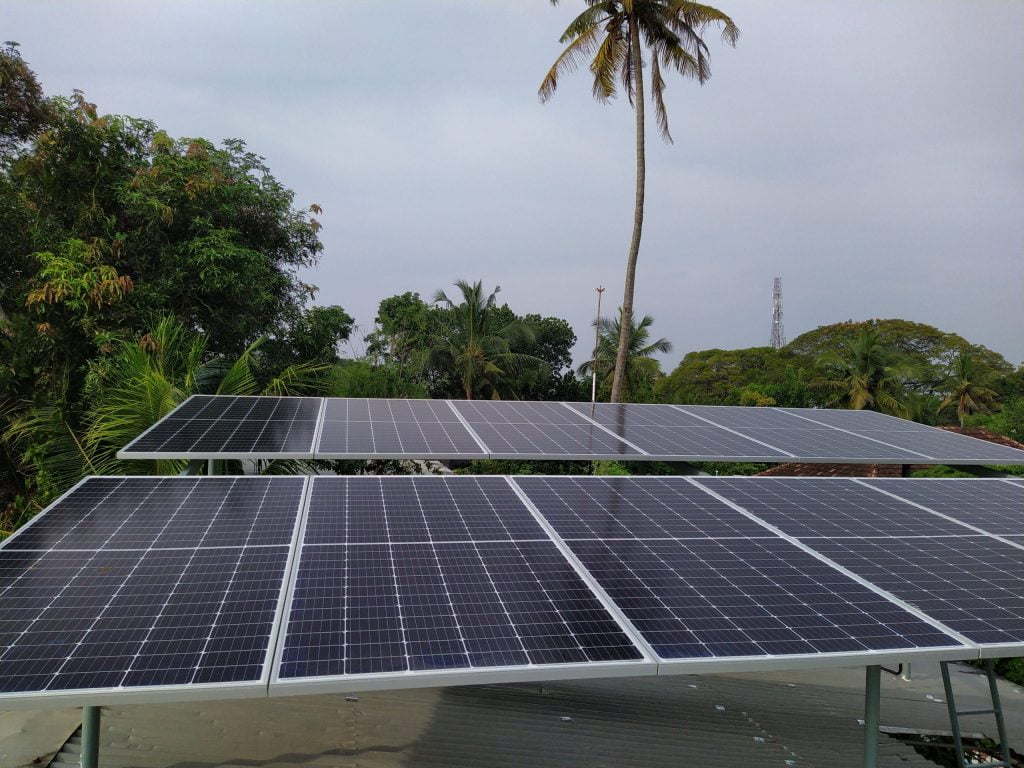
965	387
641	367
864	374
128	390
479	347
612	34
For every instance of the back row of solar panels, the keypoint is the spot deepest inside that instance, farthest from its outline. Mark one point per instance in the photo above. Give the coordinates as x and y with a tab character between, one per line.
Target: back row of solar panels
218	427
140	586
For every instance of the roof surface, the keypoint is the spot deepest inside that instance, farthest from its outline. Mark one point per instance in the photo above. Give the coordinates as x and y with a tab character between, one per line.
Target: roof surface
808	718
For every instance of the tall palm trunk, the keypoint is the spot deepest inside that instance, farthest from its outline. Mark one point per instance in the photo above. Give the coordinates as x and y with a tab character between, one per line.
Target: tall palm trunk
638	212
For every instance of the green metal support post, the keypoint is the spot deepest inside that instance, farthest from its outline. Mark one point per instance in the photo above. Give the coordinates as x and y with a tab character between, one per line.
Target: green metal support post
90	737
872	708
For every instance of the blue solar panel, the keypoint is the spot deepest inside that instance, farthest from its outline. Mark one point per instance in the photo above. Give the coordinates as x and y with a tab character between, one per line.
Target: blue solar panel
829	507
634	507
974	584
428	574
699	598
131	583
698	578
394	428
993	506
221	426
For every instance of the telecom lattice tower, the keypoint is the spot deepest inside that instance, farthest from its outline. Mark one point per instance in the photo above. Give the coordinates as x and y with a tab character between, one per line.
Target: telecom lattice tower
778	331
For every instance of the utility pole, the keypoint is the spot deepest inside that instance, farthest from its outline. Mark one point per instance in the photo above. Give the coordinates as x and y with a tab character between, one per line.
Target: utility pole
778	332
597	344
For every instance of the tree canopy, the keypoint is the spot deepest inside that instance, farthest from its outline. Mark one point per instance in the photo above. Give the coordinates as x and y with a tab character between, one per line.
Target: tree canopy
108	225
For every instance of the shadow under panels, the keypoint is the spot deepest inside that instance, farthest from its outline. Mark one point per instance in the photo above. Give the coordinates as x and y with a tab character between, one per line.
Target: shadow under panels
904	541
540	430
139	587
391	428
417	581
705	585
228	427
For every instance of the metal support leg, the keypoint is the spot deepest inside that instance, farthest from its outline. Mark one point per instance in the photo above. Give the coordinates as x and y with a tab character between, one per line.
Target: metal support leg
954	718
1004	744
211	468
90	737
872	707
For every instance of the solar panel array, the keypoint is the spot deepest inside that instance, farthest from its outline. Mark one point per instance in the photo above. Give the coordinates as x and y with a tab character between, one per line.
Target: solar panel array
939	545
131	587
134	583
697	578
339	428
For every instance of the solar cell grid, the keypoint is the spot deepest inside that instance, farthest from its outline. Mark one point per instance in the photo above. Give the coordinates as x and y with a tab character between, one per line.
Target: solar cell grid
846	419
973	584
394	428
989	504
951	447
627	415
746	597
829	507
131	618
143	513
821	444
380	609
378	510
232	427
603	508
146	582
515	412
743	419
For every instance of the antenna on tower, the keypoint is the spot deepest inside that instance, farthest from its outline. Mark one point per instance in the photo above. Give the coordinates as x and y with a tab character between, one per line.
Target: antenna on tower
778	331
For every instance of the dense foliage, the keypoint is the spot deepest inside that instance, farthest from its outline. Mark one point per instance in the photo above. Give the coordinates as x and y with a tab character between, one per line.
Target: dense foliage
109	227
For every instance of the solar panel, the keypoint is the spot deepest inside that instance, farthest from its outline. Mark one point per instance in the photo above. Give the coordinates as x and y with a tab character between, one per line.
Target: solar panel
228	427
450	579
829	507
698	579
986	503
633	507
974	584
664	432
367	428
539	430
137	586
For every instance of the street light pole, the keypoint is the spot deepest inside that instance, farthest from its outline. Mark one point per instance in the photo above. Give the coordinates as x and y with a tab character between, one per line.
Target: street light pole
597	344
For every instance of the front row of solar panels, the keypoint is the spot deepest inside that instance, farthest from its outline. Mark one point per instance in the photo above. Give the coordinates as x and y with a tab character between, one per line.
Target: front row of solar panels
150	588
220	427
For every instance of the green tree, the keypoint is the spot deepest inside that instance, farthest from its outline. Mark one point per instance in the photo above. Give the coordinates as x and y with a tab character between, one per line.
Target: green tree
642	369
479	344
23	109
127	390
931	350
865	374
966	389
612	34
719	377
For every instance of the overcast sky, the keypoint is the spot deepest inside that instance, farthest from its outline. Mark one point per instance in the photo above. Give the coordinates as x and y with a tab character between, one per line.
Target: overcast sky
870	153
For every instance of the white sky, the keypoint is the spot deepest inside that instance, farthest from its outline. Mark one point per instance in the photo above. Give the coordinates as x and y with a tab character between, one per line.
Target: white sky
870	153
